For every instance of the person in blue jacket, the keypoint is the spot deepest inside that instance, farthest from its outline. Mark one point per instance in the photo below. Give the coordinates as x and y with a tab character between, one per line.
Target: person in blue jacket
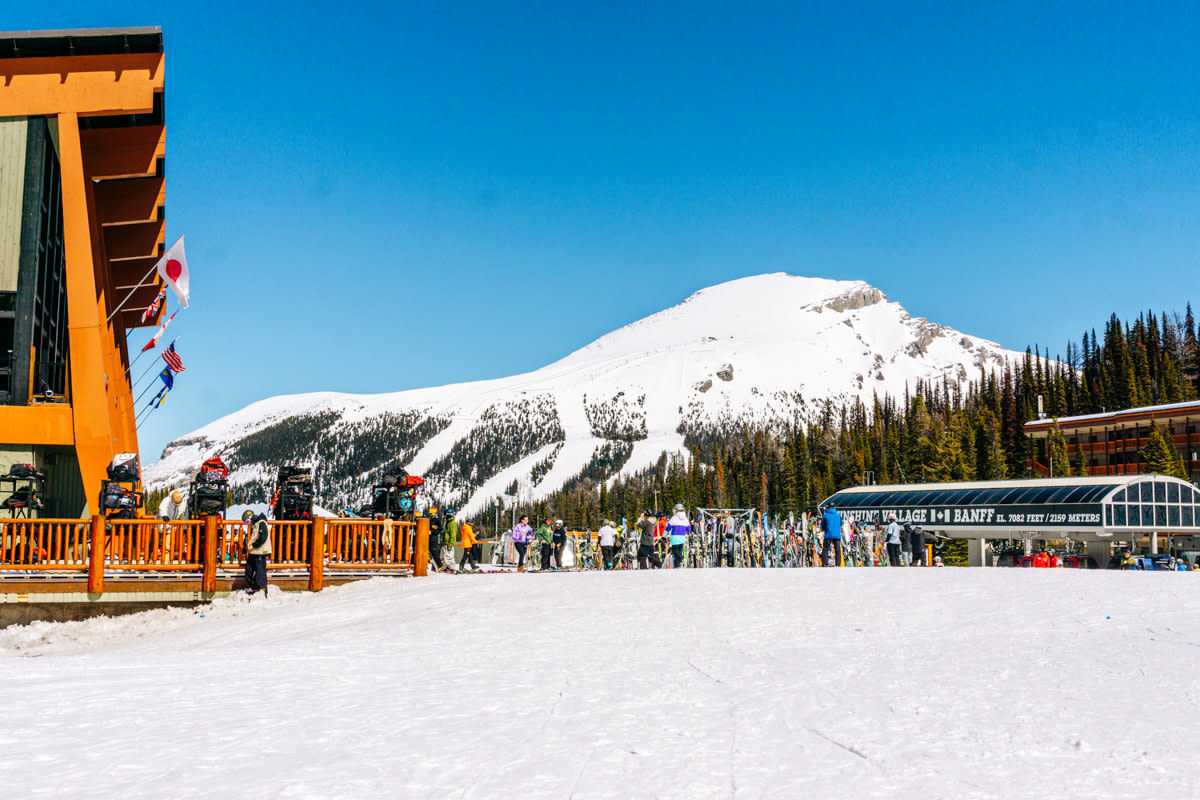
831	523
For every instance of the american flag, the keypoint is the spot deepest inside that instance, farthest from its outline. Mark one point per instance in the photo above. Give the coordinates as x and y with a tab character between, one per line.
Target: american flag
172	358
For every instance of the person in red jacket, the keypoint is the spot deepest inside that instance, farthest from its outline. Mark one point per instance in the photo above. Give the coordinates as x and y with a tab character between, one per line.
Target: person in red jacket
1041	560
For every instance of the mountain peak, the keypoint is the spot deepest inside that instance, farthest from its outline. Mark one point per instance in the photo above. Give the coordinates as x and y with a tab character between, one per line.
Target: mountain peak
752	351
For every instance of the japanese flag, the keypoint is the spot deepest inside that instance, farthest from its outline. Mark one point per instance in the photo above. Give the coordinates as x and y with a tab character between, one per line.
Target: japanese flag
173	269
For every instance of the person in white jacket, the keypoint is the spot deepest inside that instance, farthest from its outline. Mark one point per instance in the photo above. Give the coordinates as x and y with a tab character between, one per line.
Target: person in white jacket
608	543
893	541
258	547
171	508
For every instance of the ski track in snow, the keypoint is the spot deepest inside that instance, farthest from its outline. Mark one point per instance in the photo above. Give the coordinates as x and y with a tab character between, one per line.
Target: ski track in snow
674	684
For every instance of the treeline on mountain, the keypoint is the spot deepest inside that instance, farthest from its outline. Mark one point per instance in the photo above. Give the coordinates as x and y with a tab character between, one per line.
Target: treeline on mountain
938	432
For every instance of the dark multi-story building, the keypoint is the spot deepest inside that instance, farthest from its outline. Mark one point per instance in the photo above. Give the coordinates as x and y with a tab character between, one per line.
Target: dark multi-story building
1113	441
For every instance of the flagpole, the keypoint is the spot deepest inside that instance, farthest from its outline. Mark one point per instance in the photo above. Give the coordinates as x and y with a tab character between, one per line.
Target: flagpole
140	283
139	355
149	406
149	386
139	380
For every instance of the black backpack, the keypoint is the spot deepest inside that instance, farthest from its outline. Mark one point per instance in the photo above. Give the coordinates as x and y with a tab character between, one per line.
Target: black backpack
26	471
124	468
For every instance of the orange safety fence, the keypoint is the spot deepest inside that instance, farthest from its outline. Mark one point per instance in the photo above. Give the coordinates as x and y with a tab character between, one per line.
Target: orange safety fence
44	544
154	545
358	544
290	543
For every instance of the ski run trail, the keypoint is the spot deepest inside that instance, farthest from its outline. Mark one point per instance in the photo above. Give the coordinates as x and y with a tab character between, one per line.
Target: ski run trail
852	683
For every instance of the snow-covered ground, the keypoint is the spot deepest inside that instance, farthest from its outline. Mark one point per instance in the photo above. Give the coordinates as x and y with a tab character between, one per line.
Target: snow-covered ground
849	683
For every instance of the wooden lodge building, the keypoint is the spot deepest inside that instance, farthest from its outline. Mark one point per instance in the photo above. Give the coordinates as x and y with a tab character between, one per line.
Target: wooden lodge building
82	220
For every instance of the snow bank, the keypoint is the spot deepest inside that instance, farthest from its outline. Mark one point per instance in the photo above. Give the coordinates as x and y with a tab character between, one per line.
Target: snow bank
689	684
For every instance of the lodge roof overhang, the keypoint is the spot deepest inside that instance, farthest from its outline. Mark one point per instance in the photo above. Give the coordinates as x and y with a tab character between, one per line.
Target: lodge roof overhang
112	80
1115	418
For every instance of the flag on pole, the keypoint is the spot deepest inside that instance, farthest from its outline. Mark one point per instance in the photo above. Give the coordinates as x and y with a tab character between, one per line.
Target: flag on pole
161	397
150	345
172	358
173	270
168	378
152	309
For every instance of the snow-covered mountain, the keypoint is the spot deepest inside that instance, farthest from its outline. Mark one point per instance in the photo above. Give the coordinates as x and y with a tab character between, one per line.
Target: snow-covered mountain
764	348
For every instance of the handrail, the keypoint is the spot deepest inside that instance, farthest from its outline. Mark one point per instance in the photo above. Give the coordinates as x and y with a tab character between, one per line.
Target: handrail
362	543
44	544
148	545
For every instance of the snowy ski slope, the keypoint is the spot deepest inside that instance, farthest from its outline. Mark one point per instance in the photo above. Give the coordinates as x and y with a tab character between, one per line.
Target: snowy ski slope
918	684
768	347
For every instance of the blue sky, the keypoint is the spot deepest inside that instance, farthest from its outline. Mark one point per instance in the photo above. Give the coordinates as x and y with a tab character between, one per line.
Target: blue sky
380	196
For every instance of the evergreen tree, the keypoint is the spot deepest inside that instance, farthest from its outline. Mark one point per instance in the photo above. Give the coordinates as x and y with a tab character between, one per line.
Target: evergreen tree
1056	450
1161	457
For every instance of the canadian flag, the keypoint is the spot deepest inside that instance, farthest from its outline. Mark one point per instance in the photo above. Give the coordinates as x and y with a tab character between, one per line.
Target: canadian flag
173	269
154	339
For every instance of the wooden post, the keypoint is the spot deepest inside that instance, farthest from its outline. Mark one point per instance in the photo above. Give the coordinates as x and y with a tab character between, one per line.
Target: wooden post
96	556
421	550
316	555
212	529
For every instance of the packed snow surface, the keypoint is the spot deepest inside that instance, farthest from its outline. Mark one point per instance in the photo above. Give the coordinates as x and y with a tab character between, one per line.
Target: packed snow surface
912	683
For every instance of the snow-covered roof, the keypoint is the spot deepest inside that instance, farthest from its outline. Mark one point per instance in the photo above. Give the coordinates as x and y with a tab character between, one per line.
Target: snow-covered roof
1191	405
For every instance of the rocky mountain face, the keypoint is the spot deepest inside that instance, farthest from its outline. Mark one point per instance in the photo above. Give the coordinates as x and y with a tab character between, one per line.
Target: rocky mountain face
770	348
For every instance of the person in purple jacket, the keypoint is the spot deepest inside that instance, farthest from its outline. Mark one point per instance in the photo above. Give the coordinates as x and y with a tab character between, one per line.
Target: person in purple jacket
678	526
521	533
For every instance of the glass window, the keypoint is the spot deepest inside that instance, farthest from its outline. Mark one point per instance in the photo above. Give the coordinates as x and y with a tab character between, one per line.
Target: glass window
1147	491
1119	497
1173	516
1134	515
1186	517
1160	515
917	498
1060	495
879	498
1027	496
1160	492
1196	496
989	497
952	498
1108	516
1172	492
1119	514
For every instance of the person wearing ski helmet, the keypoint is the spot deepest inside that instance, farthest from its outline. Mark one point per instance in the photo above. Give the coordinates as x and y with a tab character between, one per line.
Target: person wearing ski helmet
893	533
678	526
558	541
435	539
906	548
645	554
544	535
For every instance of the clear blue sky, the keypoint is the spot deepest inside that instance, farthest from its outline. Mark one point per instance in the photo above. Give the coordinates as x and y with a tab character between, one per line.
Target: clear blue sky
389	195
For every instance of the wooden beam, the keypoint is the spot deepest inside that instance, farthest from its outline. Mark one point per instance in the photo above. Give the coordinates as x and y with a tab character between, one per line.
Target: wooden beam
123	152
130	200
136	241
81	85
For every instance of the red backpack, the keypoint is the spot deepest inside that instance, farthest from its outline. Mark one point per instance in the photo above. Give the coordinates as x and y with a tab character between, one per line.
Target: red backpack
214	464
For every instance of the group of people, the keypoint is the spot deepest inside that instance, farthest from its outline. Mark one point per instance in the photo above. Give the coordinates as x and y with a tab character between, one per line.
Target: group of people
550	537
906	543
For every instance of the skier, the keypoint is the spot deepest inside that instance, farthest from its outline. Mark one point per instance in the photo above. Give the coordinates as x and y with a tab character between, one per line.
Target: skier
608	544
893	541
172	507
521	532
831	520
645	554
468	546
906	550
679	528
918	546
258	547
544	534
435	539
558	540
1128	561
449	537
728	541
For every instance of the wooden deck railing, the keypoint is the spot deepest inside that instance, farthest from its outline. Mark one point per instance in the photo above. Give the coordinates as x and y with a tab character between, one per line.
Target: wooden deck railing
102	546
